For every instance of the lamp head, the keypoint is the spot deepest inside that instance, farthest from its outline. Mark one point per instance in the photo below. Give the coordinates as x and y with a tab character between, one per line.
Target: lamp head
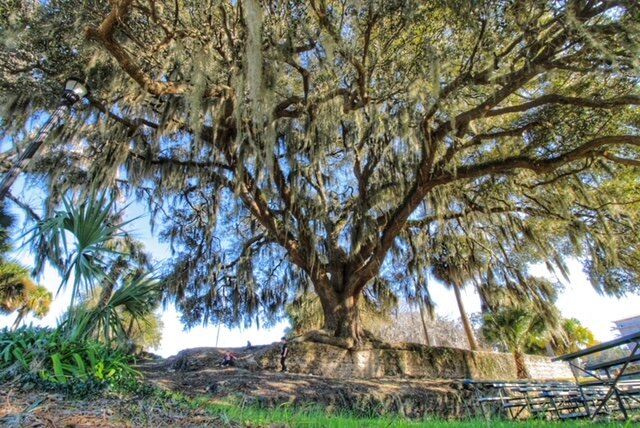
74	90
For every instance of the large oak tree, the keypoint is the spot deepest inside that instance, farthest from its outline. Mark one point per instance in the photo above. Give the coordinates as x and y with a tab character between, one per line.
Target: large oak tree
334	145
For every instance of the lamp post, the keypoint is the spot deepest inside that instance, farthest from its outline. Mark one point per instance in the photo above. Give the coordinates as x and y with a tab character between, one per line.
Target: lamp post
74	90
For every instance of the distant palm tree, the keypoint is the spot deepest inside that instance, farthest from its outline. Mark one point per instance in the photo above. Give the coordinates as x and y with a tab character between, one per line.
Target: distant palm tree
14	282
454	271
36	301
575	336
512	328
18	291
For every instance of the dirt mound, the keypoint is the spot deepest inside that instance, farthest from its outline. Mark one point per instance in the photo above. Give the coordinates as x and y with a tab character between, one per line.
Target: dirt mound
196	372
24	409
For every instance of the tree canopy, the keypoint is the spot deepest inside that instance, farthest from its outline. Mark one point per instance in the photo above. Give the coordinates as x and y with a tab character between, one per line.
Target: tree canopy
284	146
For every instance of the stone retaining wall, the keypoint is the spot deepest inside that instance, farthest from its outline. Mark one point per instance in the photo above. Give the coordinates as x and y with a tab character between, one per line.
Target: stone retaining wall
409	360
543	368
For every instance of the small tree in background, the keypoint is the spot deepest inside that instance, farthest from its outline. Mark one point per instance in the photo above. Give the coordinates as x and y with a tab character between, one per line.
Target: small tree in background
511	329
574	337
406	325
14	281
18	291
37	301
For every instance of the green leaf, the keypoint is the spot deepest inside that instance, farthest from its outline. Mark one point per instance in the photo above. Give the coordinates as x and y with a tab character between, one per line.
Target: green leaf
81	369
17	353
58	368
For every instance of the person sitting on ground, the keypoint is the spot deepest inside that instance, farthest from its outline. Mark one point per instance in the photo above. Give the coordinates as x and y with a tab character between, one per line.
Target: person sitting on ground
228	360
249	346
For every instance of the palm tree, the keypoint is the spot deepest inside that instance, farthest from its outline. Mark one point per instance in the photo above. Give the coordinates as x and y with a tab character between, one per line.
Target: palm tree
512	328
454	270
127	312
14	280
18	291
78	241
87	239
574	336
36	301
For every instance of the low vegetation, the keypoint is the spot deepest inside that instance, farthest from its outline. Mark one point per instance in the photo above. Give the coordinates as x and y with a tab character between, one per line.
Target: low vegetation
49	358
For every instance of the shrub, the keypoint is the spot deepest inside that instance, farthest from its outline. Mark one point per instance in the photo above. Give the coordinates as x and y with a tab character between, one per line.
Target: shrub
53	358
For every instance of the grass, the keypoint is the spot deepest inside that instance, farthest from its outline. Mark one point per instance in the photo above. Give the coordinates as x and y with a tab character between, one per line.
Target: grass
252	416
146	405
239	413
320	419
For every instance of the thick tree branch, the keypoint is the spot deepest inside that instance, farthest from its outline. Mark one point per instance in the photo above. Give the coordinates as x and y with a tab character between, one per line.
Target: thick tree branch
619	160
426	221
104	35
539	166
162	160
292	207
131	124
564	100
454	149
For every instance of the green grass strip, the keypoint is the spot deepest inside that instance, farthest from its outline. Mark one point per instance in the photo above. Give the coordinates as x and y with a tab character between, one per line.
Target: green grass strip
259	417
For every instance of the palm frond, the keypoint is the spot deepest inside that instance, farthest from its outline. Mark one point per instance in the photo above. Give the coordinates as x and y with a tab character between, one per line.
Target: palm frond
78	242
135	300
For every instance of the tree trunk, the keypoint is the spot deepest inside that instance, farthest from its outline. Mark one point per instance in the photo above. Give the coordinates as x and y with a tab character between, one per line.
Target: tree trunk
424	325
521	366
108	284
550	351
105	293
341	316
21	314
473	344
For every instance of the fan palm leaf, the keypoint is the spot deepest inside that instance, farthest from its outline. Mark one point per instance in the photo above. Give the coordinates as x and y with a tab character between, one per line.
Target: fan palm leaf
512	328
78	242
137	298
